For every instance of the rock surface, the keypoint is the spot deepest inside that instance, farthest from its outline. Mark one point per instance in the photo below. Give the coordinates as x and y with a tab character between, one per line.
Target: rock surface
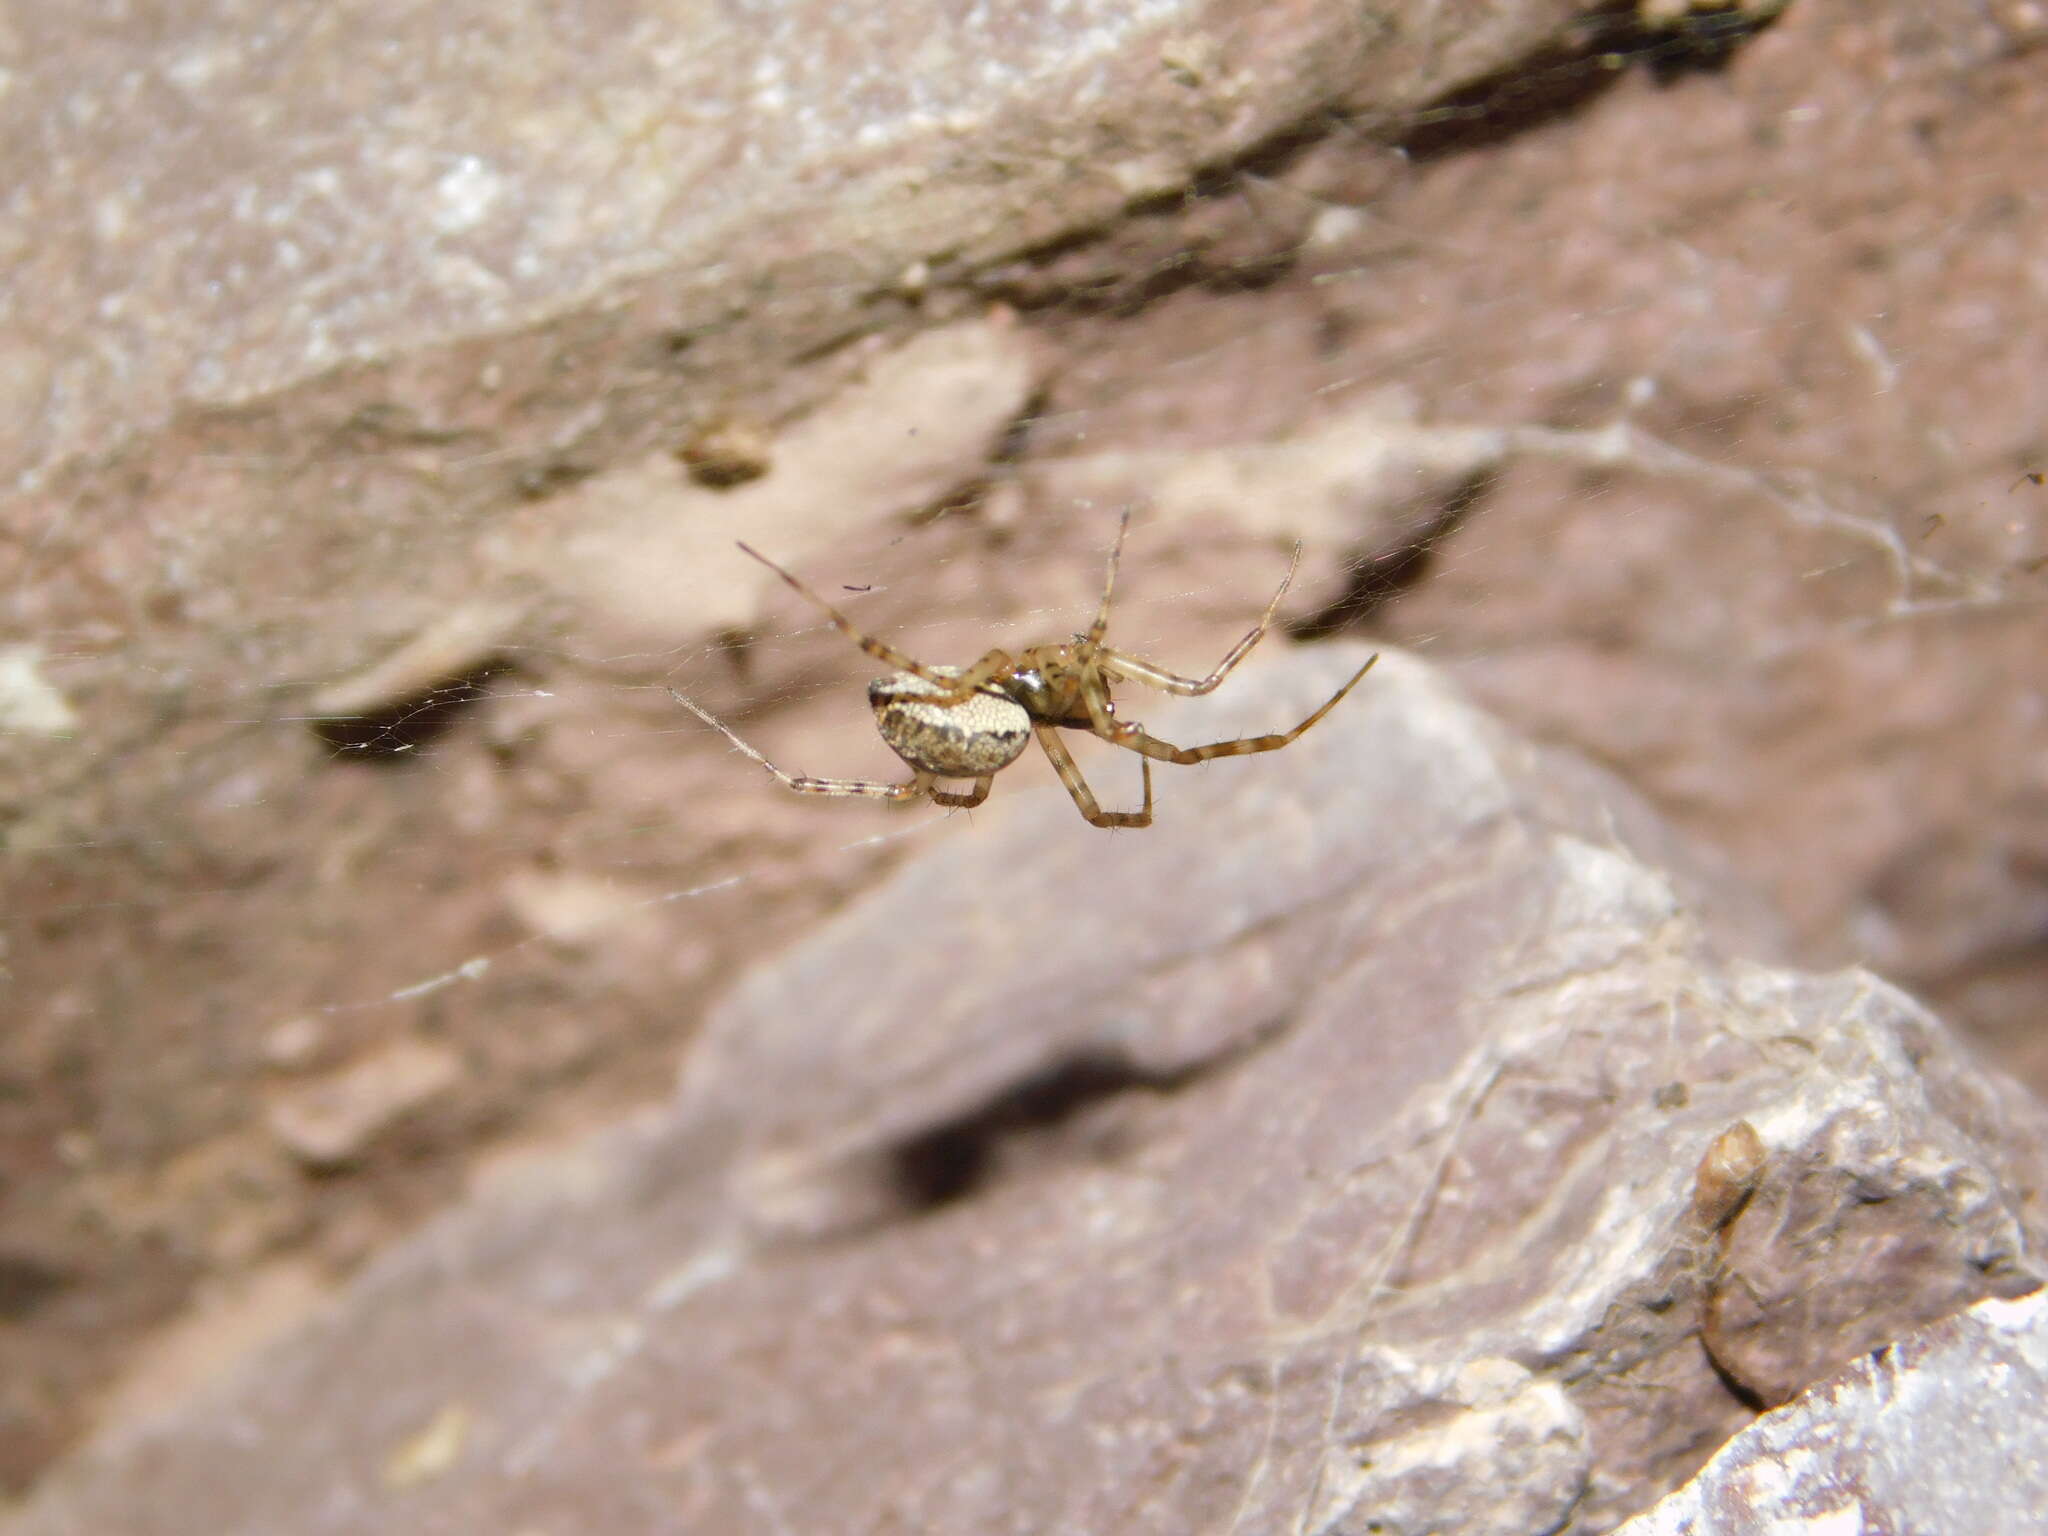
1946	1430
346	357
1384	1177
1675	385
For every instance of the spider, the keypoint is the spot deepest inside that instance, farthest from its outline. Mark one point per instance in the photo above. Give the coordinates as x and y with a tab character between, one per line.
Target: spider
973	722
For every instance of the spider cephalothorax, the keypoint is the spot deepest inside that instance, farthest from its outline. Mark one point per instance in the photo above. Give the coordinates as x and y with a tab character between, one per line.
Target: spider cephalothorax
973	722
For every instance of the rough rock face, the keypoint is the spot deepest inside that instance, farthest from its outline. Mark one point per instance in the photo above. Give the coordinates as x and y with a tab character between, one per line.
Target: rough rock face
345	359
1457	1163
1675	384
481	256
1942	1431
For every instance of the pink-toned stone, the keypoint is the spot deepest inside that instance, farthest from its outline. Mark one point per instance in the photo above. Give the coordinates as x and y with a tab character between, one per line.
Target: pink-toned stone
1084	1183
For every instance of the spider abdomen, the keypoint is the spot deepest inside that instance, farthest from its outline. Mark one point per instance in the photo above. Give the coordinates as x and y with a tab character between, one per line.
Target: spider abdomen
984	732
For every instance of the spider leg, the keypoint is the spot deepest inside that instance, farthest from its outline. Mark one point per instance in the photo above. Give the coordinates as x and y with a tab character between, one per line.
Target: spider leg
805	784
1138	670
1139	740
1101	625
1084	797
996	663
969	800
881	650
958	689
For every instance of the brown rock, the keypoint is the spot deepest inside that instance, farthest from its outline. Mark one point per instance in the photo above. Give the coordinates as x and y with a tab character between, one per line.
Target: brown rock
1940	1431
332	1120
1692	415
1366	1142
341	368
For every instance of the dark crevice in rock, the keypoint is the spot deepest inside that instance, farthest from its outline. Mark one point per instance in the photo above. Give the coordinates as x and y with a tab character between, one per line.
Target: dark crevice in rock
1561	81
1378	576
1570	71
1203	234
951	1161
1004	456
1738	1389
1702	41
27	1283
394	734
1010	449
1190	236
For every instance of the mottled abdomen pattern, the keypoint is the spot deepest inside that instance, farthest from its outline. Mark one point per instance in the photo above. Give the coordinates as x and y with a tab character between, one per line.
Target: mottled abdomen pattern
965	741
